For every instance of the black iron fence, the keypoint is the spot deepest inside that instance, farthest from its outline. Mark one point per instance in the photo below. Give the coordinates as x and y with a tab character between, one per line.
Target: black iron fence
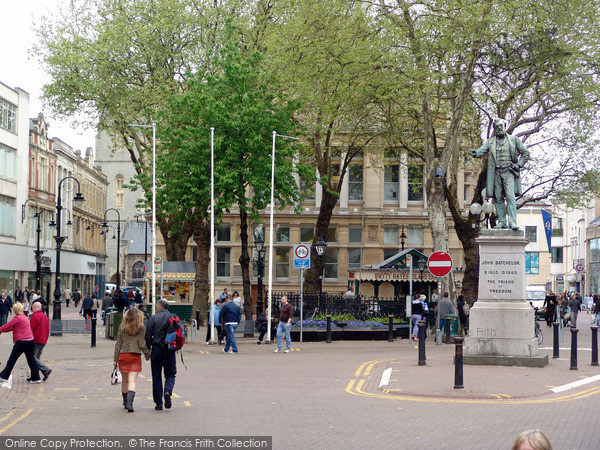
361	307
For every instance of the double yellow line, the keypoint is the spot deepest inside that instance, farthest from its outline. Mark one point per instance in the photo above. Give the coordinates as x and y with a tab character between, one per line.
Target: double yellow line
356	387
9	415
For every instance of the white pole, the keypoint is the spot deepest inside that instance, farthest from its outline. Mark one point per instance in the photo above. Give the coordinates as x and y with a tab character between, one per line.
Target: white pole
212	234
270	294
153	216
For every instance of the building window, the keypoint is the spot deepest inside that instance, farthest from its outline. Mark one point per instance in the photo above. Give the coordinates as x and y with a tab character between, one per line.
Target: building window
331	264
415	183
415	235
119	192
42	175
391	176
224	233
8	116
332	233
137	270
223	262
282	233
532	263
306	233
355	182
557	254
390	235
467	189
354	234
354	258
282	262
531	233
7	215
389	252
8	159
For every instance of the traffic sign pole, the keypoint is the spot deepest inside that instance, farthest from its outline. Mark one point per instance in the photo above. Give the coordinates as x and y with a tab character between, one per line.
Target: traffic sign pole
440	265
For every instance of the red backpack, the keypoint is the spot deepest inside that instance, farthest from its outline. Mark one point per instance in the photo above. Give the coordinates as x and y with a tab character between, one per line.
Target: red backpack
175	337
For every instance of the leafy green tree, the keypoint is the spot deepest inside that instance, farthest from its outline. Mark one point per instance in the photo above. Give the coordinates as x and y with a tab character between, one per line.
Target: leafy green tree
239	103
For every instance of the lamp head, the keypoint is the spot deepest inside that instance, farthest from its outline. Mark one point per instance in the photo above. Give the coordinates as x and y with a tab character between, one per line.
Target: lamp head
78	197
320	246
422	262
52	224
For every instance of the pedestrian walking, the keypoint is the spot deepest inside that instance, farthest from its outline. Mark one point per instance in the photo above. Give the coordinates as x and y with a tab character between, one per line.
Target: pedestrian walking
531	439
285	325
40	327
161	359
209	324
67	295
230	317
22	343
462	314
263	325
445	308
237	300
5	307
575	305
550	303
76	297
131	343
417	314
86	306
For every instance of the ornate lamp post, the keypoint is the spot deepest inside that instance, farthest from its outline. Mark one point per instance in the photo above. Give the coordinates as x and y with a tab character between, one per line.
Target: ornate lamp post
56	328
402	238
105	226
38	253
137	219
476	209
259	242
321	248
421	262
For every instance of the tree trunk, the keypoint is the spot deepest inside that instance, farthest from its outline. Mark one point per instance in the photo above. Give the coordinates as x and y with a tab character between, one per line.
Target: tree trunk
201	232
176	243
245	265
312	276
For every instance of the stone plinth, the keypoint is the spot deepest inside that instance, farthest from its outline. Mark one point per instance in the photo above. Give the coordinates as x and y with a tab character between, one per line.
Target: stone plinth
501	322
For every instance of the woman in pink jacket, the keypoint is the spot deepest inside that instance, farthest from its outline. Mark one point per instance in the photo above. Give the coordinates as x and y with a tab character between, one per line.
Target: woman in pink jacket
23	343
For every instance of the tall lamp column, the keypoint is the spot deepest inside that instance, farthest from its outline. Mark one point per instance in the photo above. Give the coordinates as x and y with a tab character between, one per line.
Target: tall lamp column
259	242
56	328
105	226
321	248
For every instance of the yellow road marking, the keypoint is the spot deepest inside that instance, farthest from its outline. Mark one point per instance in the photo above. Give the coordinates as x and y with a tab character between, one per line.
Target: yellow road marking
25	414
67	389
7	416
358	390
186	403
175	395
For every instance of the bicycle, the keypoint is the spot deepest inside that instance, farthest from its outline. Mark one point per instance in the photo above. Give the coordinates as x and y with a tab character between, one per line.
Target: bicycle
538	333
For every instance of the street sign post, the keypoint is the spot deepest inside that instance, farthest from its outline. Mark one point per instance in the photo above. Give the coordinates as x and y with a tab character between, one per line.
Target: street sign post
301	256
579	267
439	264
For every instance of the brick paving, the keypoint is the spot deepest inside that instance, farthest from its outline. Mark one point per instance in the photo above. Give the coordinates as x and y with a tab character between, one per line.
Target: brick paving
309	397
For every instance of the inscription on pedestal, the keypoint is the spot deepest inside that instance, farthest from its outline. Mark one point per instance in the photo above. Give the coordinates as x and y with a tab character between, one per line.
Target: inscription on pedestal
499	277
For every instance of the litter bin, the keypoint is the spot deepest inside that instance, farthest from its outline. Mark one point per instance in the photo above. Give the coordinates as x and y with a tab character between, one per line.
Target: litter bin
116	323
108	329
453	318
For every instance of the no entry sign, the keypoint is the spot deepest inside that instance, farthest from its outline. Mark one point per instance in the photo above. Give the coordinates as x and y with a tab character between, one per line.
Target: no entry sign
439	264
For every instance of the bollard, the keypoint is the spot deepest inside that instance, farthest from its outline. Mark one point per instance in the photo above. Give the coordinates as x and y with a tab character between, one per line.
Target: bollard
447	330
458	363
422	358
574	348
329	329
93	332
594	345
556	346
391	328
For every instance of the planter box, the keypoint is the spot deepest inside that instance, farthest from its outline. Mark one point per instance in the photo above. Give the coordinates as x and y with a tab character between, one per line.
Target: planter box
350	334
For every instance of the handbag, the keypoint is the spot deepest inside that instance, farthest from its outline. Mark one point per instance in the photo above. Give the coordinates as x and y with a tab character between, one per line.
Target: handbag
115	377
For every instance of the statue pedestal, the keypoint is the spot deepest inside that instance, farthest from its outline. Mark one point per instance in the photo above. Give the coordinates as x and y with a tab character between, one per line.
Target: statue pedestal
501	322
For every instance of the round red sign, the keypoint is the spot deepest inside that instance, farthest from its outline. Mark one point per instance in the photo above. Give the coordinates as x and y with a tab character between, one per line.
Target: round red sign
439	264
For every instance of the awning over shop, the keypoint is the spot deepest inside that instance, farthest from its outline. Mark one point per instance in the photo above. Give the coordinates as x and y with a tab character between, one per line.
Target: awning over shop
393	269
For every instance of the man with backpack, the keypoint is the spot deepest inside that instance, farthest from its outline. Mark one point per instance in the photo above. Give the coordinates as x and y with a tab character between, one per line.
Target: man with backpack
161	358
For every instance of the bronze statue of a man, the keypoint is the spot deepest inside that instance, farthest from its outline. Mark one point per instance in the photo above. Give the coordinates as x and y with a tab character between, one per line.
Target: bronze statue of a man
508	155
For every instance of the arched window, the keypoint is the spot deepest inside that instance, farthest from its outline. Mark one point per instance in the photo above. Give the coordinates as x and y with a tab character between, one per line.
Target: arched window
137	270
119	192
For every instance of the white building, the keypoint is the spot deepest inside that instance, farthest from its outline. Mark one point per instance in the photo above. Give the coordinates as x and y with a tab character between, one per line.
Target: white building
14	154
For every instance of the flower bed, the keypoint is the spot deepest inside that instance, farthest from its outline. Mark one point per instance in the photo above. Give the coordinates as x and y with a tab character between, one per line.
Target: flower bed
352	330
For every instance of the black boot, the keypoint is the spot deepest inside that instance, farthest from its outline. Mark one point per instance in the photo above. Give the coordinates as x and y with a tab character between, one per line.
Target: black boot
124	394
130	397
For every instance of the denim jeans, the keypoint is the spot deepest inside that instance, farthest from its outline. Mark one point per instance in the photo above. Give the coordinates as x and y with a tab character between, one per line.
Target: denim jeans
37	353
159	360
230	329
282	328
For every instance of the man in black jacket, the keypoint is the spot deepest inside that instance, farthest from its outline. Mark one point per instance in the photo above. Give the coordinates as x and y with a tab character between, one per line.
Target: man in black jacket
159	357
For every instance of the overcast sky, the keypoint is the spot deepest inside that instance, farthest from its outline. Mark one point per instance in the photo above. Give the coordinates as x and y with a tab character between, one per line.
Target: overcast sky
19	69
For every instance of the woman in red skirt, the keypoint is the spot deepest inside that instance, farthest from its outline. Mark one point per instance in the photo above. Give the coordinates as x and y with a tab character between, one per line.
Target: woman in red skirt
131	343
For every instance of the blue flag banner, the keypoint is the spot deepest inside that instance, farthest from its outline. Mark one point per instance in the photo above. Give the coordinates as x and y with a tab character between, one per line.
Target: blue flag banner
547	219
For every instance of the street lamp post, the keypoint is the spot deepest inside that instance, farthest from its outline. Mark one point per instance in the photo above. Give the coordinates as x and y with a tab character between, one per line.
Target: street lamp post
476	209
105	226
37	252
259	242
421	262
56	311
137	219
402	238
321	248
